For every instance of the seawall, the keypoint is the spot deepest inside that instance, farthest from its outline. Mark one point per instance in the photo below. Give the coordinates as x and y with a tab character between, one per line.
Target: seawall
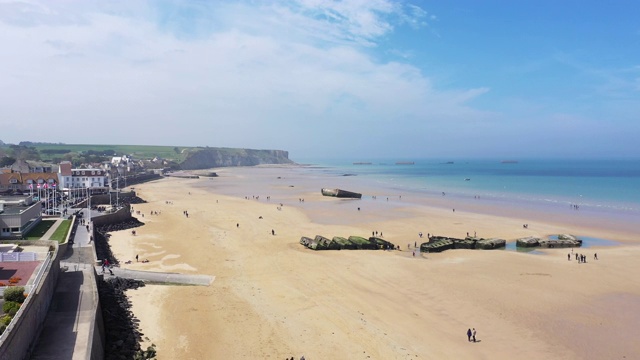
22	333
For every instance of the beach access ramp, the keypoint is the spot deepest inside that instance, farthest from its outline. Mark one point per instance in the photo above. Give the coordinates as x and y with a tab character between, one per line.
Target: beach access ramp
159	277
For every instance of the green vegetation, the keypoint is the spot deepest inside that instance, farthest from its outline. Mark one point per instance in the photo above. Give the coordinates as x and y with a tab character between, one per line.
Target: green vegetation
174	153
60	234
84	153
13	298
5	320
10	307
37	232
14	293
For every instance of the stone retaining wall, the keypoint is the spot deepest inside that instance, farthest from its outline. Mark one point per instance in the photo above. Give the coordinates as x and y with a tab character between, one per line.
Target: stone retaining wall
19	338
123	214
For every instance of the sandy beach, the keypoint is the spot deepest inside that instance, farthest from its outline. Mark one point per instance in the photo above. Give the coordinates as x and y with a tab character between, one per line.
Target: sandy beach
274	299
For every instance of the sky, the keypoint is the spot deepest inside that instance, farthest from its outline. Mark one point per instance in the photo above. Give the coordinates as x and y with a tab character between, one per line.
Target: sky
359	79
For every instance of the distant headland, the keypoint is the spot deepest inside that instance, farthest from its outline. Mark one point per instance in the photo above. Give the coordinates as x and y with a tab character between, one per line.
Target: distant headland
172	157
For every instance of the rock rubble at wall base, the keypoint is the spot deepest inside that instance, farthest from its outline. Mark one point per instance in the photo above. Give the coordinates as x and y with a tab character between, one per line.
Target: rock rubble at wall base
122	335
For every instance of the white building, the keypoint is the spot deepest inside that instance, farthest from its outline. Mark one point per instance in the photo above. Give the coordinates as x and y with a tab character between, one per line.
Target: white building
18	216
82	178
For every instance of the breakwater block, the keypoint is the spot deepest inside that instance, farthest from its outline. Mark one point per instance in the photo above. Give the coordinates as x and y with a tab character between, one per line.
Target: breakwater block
344	243
320	242
568	237
529	241
381	243
560	243
490	244
362	243
438	244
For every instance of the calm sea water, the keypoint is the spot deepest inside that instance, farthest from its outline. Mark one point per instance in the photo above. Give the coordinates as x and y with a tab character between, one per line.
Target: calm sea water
603	185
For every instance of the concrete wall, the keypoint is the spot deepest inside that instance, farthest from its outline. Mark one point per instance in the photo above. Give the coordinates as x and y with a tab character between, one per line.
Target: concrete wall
123	214
103	199
95	346
19	338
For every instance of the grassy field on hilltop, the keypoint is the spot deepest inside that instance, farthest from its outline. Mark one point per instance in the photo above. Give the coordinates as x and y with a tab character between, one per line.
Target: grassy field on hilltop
176	153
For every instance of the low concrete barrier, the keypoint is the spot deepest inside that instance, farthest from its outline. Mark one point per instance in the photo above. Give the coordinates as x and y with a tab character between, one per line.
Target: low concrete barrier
20	336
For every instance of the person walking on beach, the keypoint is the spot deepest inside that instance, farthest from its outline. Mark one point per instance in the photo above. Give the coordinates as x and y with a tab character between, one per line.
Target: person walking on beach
469	335
595	256
136	257
473	334
569	257
273	232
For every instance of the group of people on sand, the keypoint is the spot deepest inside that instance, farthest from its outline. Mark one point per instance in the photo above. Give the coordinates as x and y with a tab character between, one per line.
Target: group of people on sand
137	260
581	258
471	335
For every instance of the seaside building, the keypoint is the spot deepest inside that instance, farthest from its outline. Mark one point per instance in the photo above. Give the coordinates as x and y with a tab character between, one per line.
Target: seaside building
29	166
23	183
82	178
18	215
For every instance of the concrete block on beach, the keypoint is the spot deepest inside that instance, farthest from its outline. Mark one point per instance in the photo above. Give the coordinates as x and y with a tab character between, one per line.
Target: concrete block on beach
560	243
490	244
466	243
437	244
322	242
362	243
381	243
529	241
344	243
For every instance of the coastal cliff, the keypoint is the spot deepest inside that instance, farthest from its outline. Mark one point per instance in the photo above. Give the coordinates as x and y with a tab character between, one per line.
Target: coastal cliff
207	158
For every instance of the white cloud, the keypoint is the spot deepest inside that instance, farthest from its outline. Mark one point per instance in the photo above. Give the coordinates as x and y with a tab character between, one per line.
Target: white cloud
292	76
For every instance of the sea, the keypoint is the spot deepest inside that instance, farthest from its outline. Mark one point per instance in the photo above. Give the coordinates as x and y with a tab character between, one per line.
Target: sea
607	186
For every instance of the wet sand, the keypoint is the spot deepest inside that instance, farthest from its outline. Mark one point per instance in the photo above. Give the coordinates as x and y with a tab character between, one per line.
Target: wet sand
272	298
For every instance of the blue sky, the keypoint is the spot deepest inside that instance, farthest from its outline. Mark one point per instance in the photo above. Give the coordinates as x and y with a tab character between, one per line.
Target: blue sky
327	79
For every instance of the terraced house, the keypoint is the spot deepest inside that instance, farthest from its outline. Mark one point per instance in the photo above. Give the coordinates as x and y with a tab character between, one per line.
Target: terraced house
23	183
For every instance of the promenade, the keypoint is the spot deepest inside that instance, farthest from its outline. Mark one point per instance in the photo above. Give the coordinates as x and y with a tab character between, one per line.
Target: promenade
159	277
67	330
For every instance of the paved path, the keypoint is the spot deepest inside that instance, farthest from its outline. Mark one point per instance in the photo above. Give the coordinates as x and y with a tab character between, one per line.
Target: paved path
66	329
159	277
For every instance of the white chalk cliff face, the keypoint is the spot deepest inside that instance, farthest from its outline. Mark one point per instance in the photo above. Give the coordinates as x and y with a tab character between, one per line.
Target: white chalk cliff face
218	157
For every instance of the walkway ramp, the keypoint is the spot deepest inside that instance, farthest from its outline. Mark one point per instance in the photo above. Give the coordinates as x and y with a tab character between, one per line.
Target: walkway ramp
160	277
67	330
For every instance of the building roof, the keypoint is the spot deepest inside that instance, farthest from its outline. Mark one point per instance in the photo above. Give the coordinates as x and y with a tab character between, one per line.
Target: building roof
23	178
